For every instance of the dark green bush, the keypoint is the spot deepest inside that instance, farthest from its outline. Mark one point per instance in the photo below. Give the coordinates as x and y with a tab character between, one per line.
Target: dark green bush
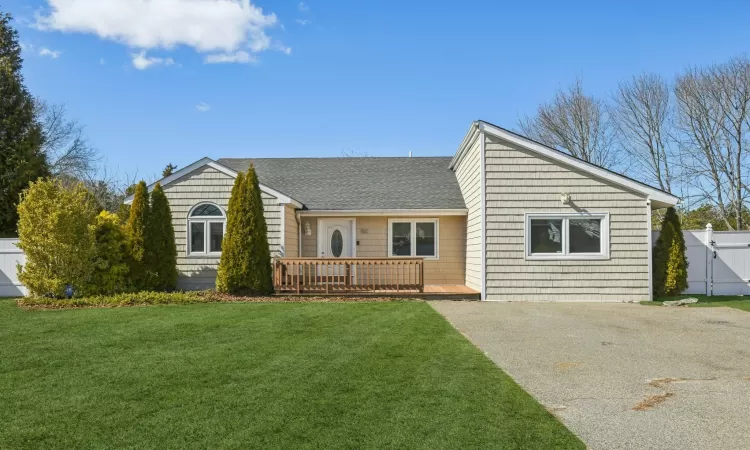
245	266
161	251
231	272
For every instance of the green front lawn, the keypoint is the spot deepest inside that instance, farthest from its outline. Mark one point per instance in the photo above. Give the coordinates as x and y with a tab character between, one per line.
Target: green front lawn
270	375
731	301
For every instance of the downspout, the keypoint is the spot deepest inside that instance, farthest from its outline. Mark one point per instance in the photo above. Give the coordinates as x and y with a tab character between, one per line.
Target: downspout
650	250
483	213
299	234
282	242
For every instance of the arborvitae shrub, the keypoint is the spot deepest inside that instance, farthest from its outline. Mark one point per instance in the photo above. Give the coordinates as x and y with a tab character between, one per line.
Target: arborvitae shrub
135	230
234	252
245	266
669	257
676	278
260	254
161	251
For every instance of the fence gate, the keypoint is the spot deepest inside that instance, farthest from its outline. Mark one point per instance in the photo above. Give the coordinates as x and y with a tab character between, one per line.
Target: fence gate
719	261
10	255
729	263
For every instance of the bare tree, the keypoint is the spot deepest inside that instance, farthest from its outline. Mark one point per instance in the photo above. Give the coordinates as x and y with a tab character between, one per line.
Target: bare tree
642	116
732	89
576	123
64	142
713	120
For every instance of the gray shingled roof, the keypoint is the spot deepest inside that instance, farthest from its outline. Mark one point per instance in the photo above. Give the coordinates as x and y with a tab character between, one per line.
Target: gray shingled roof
359	183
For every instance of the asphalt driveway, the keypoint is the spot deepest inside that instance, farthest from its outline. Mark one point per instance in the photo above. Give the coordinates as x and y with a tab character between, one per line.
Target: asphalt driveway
624	375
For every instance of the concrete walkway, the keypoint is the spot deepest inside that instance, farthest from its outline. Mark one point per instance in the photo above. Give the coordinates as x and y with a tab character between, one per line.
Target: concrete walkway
624	376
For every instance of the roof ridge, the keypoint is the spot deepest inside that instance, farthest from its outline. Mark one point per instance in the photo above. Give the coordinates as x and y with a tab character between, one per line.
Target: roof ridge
343	157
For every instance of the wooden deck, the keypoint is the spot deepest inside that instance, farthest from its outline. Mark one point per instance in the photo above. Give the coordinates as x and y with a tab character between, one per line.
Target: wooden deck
430	292
449	289
361	277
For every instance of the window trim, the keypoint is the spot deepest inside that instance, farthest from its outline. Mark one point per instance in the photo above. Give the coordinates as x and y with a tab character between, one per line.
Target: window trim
206	221
604	254
413	222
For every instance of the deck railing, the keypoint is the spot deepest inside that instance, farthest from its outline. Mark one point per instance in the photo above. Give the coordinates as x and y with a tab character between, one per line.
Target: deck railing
348	275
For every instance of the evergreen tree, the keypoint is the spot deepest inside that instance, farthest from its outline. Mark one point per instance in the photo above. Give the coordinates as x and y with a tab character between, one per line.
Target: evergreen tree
245	266
669	252
231	274
677	262
168	170
676	277
21	158
135	229
260	255
161	251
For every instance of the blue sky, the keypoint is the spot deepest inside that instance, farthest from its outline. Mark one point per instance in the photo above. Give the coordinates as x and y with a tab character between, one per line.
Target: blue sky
383	78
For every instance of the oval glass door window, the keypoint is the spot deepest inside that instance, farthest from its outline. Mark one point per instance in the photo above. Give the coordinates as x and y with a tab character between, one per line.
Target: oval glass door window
337	243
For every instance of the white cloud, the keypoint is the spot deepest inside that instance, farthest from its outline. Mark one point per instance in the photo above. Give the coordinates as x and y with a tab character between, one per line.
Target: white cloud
26	47
303	7
303	22
224	58
143	62
102	61
54	54
281	48
208	26
203	107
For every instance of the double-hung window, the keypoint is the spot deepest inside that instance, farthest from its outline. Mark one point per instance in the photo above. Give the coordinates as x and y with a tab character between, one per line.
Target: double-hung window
206	226
413	237
567	236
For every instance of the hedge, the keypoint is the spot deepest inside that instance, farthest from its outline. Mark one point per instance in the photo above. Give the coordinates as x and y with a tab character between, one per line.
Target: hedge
176	298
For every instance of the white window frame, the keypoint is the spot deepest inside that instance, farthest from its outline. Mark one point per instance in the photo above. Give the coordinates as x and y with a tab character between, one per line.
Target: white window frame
566	255
413	232
206	221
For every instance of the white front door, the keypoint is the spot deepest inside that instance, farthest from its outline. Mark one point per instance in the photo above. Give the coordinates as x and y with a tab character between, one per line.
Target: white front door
336	240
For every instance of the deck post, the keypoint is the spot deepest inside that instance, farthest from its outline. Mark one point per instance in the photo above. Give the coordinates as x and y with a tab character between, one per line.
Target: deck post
297	275
421	277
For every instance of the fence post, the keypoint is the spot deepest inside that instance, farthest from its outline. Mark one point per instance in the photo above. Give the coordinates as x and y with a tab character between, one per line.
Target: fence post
710	262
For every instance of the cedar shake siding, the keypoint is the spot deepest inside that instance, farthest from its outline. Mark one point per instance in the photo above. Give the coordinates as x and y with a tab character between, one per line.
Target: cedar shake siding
372	235
519	181
468	173
208	185
291	232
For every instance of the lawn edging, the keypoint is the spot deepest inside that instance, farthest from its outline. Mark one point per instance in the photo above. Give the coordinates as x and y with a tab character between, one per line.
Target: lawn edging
148	298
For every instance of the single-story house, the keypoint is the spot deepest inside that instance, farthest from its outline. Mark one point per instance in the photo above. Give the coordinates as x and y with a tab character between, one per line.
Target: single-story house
505	217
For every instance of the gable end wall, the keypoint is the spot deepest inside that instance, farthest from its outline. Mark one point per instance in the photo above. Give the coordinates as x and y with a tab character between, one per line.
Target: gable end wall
209	185
519	181
468	174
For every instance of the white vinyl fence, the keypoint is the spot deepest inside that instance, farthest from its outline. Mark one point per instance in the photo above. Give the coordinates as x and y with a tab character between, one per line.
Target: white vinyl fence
719	261
10	255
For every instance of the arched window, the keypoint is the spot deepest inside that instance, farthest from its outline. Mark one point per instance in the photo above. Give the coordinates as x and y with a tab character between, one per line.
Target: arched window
206	226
